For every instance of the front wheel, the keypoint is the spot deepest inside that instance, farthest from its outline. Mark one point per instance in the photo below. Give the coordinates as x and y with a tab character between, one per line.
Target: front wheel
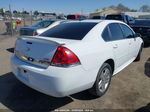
102	81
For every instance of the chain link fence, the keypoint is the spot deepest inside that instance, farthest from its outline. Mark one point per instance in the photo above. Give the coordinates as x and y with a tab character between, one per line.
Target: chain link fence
11	23
9	26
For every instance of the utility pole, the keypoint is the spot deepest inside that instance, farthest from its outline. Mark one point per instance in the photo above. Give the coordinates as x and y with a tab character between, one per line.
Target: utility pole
82	11
31	16
11	22
23	15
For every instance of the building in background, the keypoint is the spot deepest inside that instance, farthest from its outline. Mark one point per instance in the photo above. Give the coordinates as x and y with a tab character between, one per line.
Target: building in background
141	15
104	12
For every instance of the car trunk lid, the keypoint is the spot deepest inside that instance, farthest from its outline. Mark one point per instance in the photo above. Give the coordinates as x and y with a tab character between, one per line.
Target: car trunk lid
38	50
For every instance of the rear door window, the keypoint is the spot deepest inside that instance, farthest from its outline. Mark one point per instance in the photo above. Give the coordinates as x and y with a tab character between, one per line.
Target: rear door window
116	32
106	34
128	33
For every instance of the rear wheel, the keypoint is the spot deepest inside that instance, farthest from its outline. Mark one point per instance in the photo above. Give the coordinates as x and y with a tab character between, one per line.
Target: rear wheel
102	81
139	54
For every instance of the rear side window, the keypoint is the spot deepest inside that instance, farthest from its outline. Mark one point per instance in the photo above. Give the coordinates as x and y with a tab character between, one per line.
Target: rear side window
81	17
72	30
43	24
128	33
114	17
116	32
106	34
96	17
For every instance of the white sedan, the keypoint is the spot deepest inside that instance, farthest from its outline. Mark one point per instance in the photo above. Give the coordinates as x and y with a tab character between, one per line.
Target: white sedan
76	56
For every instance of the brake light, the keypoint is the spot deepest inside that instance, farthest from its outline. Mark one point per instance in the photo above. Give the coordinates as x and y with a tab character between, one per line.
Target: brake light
64	57
35	33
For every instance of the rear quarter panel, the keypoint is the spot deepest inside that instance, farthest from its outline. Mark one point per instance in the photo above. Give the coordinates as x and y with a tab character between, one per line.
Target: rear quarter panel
92	51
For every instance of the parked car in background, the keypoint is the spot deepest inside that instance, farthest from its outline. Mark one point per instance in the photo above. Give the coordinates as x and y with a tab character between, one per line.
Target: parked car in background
142	26
98	17
39	27
1	18
76	17
75	56
16	18
121	17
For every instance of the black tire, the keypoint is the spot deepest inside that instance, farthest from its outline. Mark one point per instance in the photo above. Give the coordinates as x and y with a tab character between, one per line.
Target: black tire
95	90
139	55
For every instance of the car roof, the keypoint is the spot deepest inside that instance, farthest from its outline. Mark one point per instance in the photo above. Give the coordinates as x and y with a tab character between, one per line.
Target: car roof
116	14
99	21
75	15
52	20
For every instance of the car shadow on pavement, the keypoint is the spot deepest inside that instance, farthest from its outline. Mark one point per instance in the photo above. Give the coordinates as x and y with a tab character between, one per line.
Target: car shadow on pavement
144	109
146	45
20	98
5	33
147	68
11	50
84	95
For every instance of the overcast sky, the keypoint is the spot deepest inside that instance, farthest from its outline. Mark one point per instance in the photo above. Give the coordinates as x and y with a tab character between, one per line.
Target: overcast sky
69	6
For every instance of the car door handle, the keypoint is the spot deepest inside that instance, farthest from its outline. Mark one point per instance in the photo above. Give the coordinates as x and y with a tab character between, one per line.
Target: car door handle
115	46
130	43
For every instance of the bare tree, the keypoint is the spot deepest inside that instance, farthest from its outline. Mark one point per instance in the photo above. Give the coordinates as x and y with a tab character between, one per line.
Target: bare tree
145	8
122	8
96	10
112	6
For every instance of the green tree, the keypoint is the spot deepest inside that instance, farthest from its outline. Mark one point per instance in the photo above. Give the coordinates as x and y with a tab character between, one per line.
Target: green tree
2	11
36	13
25	12
133	10
15	12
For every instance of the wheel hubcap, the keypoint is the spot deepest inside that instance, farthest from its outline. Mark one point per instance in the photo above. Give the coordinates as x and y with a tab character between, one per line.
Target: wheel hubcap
104	80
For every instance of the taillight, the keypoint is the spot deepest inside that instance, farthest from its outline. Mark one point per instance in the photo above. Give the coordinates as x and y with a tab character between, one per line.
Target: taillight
64	57
35	33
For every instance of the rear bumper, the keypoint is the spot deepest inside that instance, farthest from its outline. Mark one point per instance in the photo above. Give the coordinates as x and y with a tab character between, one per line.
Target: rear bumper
54	81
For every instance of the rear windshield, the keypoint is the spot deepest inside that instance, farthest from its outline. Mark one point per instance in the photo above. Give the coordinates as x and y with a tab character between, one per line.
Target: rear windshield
96	17
74	30
71	17
114	17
